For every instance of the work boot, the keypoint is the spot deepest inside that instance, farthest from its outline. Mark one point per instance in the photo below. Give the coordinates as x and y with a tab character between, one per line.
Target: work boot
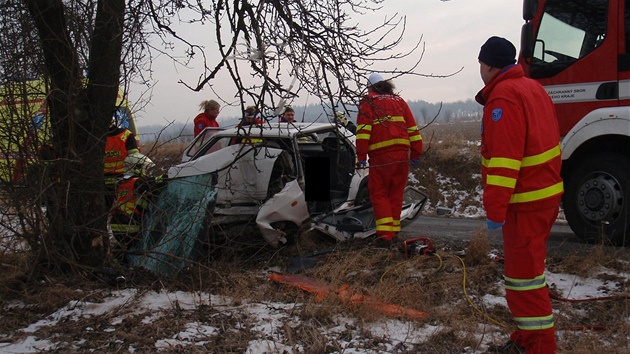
508	347
379	242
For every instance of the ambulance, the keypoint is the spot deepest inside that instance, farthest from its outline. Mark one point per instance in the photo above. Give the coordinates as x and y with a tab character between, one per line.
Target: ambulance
25	129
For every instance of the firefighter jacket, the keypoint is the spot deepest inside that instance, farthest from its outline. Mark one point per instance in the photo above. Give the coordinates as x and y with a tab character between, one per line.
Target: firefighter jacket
129	206
247	124
520	145
385	123
120	143
133	195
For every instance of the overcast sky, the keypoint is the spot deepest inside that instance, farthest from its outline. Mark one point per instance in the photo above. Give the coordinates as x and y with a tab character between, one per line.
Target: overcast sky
452	32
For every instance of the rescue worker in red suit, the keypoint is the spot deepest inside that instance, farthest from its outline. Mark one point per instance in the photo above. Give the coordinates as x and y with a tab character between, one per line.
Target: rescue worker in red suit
521	163
388	134
207	118
134	193
120	143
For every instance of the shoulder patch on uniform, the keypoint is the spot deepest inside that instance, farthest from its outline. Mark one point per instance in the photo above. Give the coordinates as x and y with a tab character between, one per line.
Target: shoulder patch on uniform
496	114
200	125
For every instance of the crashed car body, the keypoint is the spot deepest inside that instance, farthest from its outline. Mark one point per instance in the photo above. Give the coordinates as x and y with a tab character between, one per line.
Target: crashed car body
284	175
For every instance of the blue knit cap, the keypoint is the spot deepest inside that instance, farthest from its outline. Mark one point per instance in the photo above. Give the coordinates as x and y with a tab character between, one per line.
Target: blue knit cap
497	52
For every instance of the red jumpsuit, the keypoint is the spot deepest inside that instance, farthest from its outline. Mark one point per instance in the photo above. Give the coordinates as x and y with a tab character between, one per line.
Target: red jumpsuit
521	164
203	120
387	132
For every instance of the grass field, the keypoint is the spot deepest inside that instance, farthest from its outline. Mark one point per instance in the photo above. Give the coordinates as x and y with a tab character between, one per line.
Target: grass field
461	295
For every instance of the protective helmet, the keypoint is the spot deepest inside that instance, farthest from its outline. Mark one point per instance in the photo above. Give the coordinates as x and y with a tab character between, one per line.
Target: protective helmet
120	119
340	118
137	164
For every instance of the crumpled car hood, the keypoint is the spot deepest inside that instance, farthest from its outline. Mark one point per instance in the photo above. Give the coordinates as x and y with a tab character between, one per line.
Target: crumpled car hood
243	172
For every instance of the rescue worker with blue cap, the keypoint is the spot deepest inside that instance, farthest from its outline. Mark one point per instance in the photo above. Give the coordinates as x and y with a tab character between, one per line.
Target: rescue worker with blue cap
521	163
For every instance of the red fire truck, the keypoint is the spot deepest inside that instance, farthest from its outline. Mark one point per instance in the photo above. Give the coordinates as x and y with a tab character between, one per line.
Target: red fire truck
580	51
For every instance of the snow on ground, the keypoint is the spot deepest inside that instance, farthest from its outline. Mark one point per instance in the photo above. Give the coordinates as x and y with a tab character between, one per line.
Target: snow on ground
268	319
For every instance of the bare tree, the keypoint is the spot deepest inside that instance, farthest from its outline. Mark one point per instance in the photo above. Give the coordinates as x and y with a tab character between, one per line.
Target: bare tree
274	51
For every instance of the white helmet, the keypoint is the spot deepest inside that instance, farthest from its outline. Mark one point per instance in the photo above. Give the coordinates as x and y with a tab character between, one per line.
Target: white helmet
137	164
340	118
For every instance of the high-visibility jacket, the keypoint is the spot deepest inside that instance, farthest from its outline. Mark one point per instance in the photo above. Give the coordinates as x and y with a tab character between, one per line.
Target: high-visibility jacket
245	125
385	123
520	145
387	132
129	207
119	144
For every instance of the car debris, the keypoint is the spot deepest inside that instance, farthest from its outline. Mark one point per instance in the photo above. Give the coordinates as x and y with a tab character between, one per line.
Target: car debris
285	176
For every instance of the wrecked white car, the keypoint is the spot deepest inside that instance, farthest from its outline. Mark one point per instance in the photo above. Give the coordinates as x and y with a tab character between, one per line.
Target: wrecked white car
285	174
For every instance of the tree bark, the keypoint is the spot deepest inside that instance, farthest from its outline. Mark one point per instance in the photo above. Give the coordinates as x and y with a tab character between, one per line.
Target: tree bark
80	111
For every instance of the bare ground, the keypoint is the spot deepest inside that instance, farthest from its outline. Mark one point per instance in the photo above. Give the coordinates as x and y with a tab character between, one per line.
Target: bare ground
456	293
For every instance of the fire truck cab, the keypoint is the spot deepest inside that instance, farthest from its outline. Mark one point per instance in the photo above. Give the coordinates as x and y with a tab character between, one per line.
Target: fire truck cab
579	50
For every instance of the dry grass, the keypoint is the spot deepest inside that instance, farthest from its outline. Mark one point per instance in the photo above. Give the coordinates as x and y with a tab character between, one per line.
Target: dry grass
450	167
447	287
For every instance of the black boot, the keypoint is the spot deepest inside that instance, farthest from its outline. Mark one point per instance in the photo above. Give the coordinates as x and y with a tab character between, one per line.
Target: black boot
507	348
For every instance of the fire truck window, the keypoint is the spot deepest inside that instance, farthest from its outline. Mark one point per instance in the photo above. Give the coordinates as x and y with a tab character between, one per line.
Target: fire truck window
568	31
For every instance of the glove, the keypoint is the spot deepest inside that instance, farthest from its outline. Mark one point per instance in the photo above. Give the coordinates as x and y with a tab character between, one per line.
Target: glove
414	162
362	164
494	225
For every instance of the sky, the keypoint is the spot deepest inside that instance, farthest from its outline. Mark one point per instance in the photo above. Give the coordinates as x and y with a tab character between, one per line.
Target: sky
452	32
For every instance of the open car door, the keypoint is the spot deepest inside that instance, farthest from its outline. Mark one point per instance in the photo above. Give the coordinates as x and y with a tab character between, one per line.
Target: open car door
358	222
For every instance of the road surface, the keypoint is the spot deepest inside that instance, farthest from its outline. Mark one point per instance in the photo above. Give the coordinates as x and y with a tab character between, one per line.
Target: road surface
456	233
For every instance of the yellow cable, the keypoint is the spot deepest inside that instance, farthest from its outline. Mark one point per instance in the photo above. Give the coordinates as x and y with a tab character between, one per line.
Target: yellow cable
392	268
470	301
441	262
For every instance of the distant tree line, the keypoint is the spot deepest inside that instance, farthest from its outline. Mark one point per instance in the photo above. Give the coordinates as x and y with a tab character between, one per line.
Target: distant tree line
424	112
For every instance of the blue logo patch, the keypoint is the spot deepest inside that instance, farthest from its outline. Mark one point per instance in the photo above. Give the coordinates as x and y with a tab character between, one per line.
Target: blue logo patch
496	114
200	126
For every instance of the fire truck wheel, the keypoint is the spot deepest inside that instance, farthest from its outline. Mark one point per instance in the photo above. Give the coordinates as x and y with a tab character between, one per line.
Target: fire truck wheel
596	199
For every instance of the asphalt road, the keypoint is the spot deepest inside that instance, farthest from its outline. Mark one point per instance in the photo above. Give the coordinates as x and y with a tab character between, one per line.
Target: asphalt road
456	233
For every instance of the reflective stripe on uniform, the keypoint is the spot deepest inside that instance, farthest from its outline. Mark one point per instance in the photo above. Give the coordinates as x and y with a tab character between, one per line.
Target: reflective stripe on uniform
396	225
384	220
541	158
385	224
512	164
501	181
389	119
388	143
364	127
501	162
525	284
534	323
537	194
126	228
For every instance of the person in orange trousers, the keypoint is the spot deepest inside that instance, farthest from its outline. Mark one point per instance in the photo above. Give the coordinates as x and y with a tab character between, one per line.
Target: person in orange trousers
387	132
521	164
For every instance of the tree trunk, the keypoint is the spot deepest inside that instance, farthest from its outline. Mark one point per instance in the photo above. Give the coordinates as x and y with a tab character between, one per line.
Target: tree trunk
80	114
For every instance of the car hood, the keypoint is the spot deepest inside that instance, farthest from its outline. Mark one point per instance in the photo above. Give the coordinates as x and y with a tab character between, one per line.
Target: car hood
243	172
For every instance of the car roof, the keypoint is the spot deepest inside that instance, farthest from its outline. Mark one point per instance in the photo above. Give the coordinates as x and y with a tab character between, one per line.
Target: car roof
275	129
